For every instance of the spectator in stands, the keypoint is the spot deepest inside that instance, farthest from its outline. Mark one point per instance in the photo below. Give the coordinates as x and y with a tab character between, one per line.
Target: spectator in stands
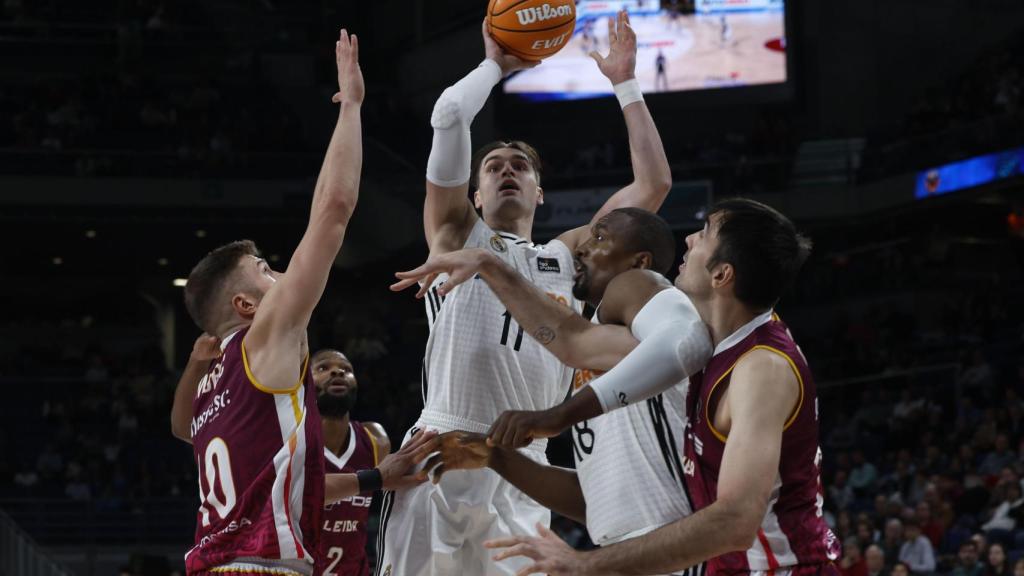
999	458
893	540
874	559
863	475
852	563
968	564
1018	568
1003	517
840	492
930	527
901	569
998	564
917	550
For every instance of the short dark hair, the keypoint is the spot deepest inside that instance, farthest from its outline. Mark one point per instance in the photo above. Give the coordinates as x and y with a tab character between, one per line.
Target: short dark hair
648	232
325	352
208	279
969	544
530	151
763	247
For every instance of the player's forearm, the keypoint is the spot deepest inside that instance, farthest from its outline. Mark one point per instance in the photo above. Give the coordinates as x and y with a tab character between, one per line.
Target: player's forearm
547	321
181	410
651	173
340	486
552	487
706	534
337	187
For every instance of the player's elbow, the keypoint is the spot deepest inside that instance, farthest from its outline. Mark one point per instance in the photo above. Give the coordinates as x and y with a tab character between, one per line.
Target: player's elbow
741	525
181	431
340	204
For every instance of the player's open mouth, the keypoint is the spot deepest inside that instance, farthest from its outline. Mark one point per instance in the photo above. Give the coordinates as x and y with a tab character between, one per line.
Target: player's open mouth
508	186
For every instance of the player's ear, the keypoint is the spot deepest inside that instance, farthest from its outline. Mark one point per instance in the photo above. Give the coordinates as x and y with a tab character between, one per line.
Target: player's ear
722	274
643	261
540	195
244	305
476	200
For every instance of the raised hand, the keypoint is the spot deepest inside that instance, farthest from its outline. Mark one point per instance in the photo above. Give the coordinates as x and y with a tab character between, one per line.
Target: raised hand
207	347
351	89
459	450
550	554
517	428
508	63
620	64
460	266
398	470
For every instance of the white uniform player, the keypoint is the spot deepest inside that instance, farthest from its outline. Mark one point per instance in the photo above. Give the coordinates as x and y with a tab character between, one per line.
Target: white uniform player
478	364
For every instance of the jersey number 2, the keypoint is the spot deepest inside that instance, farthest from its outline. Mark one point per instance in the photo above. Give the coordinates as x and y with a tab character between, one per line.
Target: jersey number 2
336	553
216	468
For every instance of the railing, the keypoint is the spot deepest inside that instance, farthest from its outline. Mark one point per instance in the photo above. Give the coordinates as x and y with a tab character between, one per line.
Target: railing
19	555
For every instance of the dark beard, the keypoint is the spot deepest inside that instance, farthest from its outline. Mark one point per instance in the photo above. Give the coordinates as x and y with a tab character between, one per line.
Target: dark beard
581	288
332	406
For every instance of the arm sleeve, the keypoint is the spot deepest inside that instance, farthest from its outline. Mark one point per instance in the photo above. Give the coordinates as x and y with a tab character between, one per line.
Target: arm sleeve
449	162
674	343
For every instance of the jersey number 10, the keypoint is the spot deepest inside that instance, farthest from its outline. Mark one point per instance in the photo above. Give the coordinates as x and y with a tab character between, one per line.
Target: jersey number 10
216	468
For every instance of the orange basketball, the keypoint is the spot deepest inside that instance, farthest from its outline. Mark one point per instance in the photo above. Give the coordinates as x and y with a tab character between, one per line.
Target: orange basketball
531	29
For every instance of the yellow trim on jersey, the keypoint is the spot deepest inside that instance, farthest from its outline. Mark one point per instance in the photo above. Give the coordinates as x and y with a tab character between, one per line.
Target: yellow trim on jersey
792	418
262	388
373	442
295	406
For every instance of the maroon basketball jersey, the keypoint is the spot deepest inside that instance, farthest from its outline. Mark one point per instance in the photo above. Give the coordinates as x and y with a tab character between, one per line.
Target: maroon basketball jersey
343	540
793	533
261	469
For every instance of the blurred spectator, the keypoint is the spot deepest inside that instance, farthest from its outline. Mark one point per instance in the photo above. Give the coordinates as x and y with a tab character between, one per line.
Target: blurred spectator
852	563
863	475
998	564
1004	515
901	569
967	560
930	527
1018	567
874	559
892	541
917	550
1000	457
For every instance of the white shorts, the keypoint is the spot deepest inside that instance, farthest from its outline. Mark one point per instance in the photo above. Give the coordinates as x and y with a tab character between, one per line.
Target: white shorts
439	529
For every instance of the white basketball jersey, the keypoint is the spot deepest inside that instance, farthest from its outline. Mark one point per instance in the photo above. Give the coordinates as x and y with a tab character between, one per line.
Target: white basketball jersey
629	464
479	362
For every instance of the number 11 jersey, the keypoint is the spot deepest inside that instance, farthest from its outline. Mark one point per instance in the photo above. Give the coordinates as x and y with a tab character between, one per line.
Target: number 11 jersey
261	469
479	362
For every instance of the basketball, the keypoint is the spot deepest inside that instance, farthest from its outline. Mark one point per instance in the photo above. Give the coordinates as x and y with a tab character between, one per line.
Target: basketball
531	29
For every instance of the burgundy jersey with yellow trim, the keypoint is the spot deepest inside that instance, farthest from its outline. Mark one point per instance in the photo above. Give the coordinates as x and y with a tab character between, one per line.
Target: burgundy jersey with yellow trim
261	467
793	532
343	539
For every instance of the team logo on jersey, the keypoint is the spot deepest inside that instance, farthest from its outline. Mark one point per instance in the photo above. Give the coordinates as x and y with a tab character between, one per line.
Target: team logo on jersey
548	265
497	244
387	571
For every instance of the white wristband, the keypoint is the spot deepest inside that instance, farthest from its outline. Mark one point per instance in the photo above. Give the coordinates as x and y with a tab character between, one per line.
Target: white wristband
628	92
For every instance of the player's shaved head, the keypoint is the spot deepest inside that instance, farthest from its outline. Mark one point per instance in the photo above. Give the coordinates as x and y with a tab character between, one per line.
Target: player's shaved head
213	280
644	231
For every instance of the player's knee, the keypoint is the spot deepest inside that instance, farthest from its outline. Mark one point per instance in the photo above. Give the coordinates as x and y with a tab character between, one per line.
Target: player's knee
447	111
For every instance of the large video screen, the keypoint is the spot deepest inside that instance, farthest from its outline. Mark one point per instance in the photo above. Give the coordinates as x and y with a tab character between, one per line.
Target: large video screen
681	45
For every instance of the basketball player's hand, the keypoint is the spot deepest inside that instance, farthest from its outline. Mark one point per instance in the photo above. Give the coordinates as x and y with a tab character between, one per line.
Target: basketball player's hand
459	450
550	554
350	77
620	64
398	470
507	62
460	266
206	348
517	428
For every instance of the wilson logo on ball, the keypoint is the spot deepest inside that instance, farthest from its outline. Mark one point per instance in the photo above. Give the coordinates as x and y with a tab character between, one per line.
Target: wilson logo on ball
541	13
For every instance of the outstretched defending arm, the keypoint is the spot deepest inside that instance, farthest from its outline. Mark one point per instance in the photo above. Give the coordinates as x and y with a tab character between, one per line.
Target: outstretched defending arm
277	339
448	216
570	337
652	177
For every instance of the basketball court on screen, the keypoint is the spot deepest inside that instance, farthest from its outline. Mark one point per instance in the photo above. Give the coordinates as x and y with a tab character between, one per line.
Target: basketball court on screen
700	51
